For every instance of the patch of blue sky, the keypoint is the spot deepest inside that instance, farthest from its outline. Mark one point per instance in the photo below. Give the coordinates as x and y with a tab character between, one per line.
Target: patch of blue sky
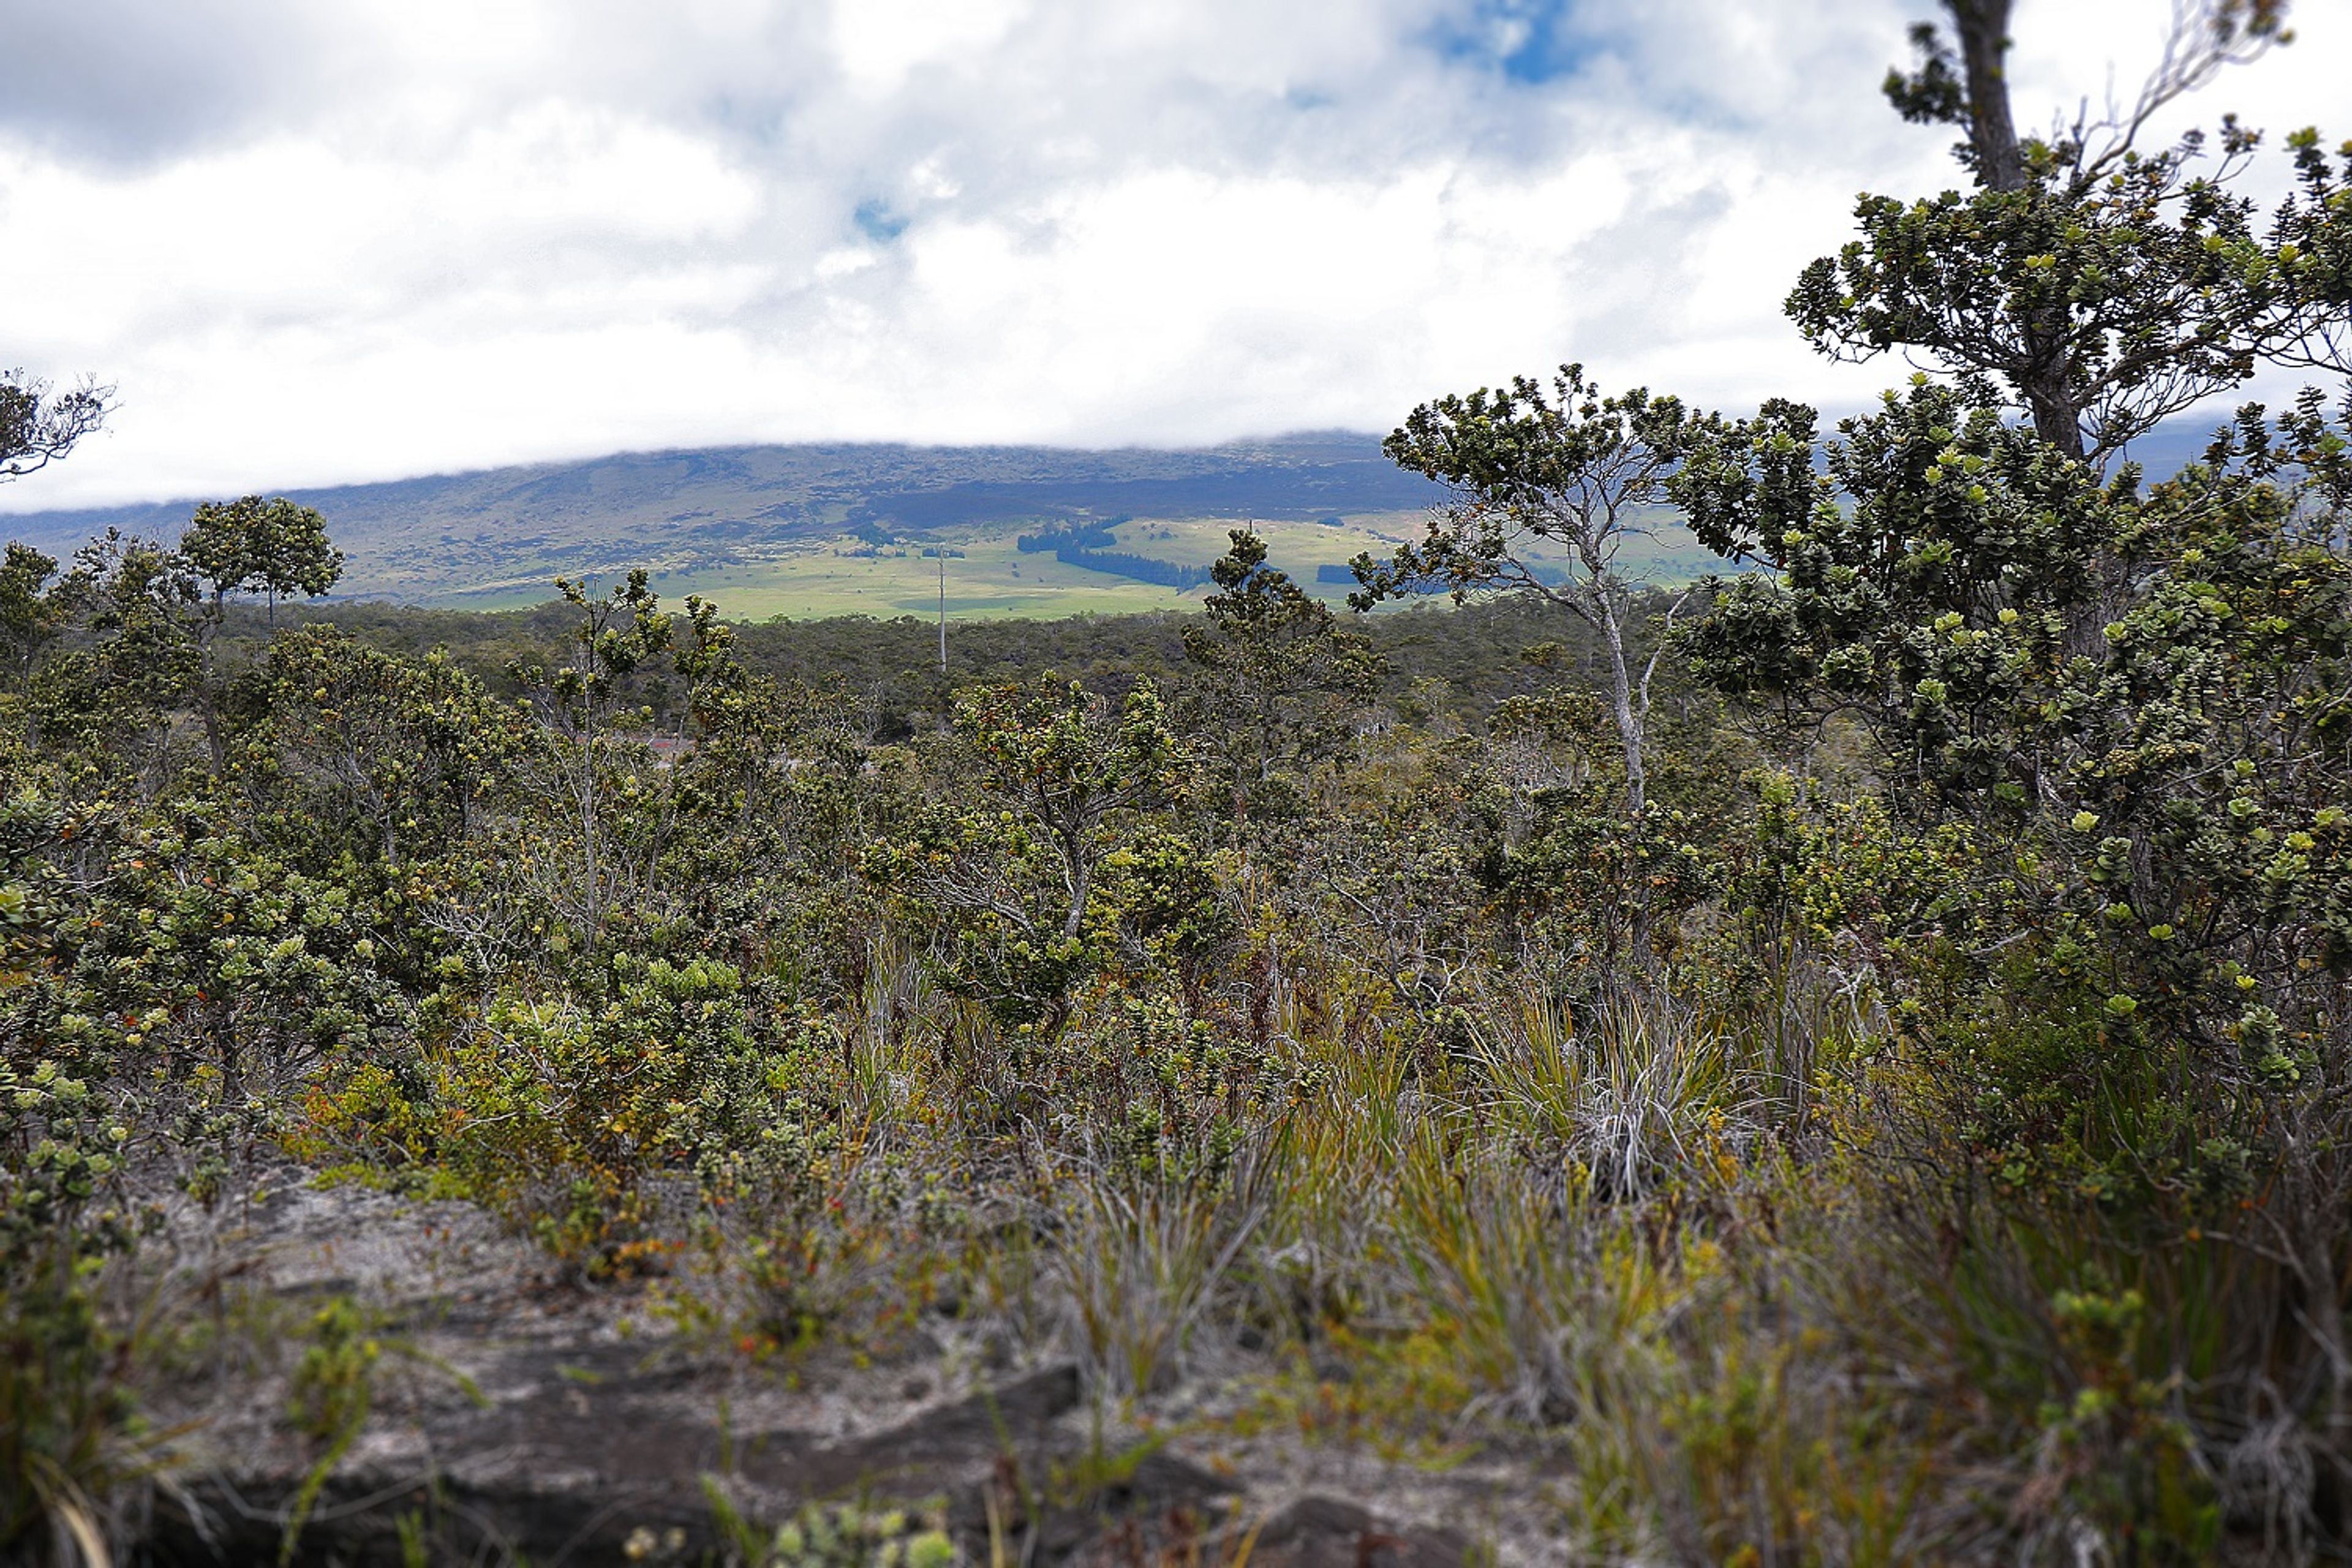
1530	42
877	222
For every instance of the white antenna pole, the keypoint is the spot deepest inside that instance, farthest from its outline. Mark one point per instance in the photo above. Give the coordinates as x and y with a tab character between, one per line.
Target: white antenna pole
943	609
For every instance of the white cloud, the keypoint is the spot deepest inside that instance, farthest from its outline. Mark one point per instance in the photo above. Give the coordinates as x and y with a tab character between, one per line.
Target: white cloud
881	42
362	238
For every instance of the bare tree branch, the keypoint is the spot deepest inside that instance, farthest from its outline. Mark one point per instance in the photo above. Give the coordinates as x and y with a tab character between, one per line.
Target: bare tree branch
39	425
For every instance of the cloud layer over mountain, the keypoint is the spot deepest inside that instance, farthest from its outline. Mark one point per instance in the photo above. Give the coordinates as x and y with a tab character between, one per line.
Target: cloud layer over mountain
325	242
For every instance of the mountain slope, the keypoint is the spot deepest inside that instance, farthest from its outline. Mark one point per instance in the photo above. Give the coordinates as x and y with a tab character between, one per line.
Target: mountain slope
879	530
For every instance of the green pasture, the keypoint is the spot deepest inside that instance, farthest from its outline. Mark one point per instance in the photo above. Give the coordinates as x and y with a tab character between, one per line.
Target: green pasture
987	574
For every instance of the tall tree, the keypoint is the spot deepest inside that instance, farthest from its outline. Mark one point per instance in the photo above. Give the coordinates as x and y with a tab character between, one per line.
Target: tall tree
38	425
2100	286
592	783
248	546
133	660
1535	472
2311	255
29	614
255	546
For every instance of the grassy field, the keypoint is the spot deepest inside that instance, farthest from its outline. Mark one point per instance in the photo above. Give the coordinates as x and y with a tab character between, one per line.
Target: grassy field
987	574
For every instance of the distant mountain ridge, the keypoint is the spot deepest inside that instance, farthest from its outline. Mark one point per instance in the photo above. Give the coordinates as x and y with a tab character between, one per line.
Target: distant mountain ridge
454	534
839	528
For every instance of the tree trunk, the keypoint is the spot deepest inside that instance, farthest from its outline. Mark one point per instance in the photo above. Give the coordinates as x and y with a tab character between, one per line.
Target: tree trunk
1629	715
1077	874
1984	29
2055	418
1076	920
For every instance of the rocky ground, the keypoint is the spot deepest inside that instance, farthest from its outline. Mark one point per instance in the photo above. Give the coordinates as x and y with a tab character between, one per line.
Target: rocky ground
513	1416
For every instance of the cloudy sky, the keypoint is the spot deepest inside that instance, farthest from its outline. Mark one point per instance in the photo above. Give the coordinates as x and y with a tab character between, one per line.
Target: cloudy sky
324	240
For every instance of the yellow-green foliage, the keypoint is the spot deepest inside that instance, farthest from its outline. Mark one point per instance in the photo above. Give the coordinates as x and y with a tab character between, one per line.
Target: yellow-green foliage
821	1535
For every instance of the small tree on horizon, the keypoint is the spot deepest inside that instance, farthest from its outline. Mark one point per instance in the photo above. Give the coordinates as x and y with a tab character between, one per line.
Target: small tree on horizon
274	548
249	546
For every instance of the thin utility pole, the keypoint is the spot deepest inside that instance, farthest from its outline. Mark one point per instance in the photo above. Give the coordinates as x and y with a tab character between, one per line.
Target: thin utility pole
943	609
